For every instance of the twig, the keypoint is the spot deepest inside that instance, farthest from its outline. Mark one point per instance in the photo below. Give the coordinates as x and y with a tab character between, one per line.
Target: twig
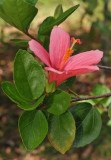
29	35
104	67
99	102
91	97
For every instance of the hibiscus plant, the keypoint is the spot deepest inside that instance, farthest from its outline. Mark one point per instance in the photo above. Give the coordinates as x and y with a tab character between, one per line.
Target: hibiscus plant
41	89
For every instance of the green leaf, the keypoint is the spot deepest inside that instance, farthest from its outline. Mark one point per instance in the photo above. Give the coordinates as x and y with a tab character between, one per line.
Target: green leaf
62	131
88	124
109	111
50	22
58	102
33	128
58	11
45	40
50	87
101	89
46	26
13	94
17	13
46	43
29	76
68	83
91	101
31	106
33	2
20	42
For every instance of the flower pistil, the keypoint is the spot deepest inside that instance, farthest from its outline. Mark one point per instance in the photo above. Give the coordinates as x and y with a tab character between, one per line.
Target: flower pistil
69	51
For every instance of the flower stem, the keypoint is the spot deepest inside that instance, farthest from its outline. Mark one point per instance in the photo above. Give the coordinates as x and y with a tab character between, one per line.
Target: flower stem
32	37
73	92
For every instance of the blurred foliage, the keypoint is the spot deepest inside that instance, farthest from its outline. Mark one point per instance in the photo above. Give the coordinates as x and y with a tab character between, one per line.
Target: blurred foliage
91	22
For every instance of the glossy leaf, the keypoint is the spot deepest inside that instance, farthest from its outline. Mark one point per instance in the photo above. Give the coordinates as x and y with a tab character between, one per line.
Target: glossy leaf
33	105
50	22
58	102
13	94
88	124
33	128
17	13
20	42
46	27
62	131
29	76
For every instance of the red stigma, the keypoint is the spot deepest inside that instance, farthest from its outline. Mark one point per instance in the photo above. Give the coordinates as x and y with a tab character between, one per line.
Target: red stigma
72	39
78	41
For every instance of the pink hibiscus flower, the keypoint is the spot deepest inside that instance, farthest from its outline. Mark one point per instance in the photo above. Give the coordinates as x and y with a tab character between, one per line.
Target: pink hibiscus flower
61	65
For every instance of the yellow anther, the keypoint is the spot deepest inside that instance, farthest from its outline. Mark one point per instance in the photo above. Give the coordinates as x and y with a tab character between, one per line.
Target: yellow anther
66	56
69	51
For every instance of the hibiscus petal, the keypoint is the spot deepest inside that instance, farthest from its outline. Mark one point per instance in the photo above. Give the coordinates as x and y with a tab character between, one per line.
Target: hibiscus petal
83	69
59	78
39	51
59	42
53	70
84	59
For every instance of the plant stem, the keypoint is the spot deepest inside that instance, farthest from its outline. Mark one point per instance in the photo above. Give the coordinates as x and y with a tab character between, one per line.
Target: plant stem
73	93
91	97
32	37
29	35
98	102
104	67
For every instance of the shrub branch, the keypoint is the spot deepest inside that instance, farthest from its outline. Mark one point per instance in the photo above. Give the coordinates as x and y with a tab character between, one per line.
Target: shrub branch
91	97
